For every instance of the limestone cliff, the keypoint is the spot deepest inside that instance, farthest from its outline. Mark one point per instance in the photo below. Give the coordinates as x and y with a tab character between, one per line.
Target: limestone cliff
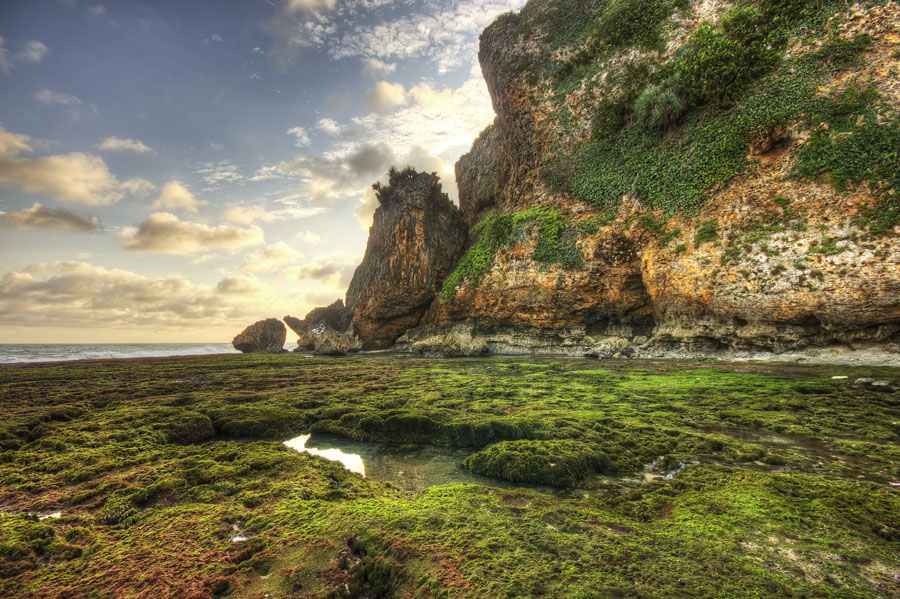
417	237
680	177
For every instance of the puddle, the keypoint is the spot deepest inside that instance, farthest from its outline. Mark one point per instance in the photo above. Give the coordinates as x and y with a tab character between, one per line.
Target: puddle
814	450
411	468
351	461
50	516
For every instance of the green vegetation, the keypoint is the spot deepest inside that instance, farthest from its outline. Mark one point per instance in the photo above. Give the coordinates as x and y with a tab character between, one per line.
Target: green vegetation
750	468
707	232
658	108
669	131
557	243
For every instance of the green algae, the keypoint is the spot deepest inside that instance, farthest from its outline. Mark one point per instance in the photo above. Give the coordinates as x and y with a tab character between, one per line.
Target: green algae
156	465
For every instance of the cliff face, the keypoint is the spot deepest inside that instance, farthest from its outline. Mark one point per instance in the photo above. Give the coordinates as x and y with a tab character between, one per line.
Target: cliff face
415	241
626	204
416	238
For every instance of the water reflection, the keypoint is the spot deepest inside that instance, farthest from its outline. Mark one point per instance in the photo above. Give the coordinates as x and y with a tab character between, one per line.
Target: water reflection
351	461
412	468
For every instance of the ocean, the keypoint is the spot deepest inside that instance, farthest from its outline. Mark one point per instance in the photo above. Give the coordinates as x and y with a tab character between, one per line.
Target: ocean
54	352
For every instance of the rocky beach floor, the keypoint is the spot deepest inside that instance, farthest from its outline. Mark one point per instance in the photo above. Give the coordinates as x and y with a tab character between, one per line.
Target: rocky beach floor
169	478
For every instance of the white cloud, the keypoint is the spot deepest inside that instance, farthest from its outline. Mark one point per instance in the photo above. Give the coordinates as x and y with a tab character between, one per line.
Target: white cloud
117	144
138	187
247	215
270	259
334	271
33	52
175	196
49	97
79	294
373	67
293	6
336	175
291	209
384	98
309	238
329	126
74	178
41	217
163	232
240	285
301	137
98	10
14	144
215	174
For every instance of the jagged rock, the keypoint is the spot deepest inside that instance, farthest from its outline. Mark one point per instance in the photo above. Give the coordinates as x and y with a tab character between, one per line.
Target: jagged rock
325	331
263	337
478	182
416	240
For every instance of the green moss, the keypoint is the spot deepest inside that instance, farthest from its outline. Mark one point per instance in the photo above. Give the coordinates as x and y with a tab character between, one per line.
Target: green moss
557	239
559	463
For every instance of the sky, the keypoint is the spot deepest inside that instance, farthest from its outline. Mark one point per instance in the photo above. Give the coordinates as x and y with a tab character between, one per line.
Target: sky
173	171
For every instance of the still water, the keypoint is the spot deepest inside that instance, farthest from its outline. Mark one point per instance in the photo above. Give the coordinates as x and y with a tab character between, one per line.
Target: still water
412	468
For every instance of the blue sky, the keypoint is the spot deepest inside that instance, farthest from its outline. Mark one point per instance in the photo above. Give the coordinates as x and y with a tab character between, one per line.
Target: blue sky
173	171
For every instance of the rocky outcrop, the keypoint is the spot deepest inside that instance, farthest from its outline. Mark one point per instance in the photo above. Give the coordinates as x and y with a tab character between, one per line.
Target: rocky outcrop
417	237
263	337
478	186
326	331
773	263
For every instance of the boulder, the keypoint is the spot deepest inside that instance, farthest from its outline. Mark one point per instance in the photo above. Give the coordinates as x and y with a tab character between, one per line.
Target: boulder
263	337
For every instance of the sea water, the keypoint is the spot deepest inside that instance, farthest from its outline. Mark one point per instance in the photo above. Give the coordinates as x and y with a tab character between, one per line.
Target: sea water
54	352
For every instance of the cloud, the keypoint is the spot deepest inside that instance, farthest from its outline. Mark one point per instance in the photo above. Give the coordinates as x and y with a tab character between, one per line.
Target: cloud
78	294
373	67
98	10
335	175
384	98
241	286
329	126
49	97
443	33
293	6
41	217
14	144
117	144
215	174
367	207
69	178
334	271
138	187
240	214
163	232
32	52
247	215
175	196
301	137
270	259
309	238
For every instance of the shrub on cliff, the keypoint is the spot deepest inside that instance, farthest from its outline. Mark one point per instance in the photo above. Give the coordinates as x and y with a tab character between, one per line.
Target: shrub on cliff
717	64
658	108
